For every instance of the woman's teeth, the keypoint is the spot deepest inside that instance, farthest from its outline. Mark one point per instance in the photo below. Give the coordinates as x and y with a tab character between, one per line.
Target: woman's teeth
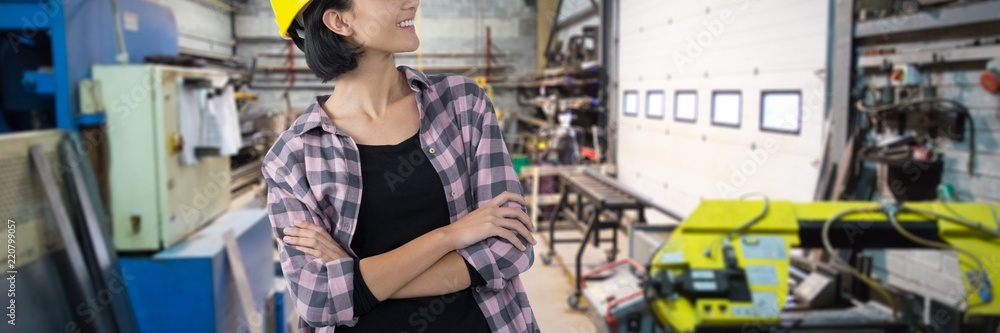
405	24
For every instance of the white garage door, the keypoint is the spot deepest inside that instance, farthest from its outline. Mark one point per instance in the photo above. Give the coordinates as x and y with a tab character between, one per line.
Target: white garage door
721	98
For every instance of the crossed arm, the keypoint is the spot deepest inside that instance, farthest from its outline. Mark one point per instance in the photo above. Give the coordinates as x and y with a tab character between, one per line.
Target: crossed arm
433	266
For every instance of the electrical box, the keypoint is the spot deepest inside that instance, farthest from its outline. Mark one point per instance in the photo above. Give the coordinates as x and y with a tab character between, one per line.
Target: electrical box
155	199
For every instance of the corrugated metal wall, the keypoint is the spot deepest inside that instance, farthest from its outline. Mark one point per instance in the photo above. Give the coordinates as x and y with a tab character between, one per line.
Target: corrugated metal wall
721	45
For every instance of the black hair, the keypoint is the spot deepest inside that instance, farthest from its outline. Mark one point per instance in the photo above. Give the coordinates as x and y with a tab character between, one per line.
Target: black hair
327	54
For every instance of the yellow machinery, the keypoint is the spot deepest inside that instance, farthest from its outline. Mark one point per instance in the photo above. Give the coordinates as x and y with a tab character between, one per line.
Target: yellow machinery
726	268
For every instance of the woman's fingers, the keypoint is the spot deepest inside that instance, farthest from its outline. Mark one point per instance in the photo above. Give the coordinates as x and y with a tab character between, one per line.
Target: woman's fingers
311	251
514	225
335	250
313	239
509	236
300	241
518	199
505	197
516	213
308	238
309	226
301	235
309	230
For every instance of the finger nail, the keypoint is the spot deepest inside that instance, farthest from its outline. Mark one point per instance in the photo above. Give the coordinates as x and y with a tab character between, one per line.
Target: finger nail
286	239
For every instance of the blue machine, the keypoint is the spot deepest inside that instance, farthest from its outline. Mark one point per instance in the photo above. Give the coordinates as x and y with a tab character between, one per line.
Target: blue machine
189	287
48	46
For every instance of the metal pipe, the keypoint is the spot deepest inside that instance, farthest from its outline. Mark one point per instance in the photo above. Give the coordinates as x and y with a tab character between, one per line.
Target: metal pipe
122	56
609	68
493	54
552	33
489	47
597	143
291	63
286	86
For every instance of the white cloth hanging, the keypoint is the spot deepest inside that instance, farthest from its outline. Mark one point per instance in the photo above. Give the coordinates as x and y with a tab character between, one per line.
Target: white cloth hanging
221	125
190	120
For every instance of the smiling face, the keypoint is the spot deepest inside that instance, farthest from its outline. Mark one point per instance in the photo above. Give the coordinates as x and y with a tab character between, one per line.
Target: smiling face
382	25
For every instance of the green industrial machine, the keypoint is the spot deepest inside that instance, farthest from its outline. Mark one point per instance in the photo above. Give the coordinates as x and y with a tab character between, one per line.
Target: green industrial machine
155	199
727	268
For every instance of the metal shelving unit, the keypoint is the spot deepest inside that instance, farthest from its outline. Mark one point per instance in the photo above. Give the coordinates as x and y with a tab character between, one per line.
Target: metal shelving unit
930	19
971	53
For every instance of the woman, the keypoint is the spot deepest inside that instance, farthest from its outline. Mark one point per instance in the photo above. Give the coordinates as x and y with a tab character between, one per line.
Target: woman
393	199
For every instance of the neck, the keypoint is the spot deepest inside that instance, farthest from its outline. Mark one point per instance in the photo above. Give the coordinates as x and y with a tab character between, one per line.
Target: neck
371	87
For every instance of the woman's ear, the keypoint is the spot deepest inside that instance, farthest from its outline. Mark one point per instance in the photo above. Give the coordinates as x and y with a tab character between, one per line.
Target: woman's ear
338	22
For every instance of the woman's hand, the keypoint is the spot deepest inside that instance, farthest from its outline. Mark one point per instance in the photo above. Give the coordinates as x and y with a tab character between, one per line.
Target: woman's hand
312	239
492	220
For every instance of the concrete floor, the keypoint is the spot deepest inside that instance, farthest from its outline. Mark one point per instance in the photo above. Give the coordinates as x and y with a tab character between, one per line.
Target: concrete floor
549	286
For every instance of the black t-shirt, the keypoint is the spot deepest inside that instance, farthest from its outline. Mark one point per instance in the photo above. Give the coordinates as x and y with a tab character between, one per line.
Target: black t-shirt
402	199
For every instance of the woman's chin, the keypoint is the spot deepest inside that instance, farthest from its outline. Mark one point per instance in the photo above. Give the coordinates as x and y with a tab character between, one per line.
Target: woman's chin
412	47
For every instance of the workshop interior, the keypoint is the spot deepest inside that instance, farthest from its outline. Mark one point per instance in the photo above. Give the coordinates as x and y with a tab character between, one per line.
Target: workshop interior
689	166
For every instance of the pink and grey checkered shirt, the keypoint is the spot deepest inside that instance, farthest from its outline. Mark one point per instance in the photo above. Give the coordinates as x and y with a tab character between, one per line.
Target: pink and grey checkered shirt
313	173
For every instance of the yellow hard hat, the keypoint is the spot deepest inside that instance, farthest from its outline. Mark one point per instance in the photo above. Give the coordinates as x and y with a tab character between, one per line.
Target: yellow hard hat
285	12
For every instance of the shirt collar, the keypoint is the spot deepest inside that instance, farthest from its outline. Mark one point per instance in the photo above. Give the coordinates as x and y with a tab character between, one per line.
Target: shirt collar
314	117
413	77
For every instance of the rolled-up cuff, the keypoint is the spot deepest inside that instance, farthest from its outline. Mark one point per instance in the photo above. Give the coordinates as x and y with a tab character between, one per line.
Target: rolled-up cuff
476	279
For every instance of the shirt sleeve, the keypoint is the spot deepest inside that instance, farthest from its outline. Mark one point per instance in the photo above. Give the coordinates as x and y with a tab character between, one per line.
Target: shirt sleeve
496	259
476	279
321	291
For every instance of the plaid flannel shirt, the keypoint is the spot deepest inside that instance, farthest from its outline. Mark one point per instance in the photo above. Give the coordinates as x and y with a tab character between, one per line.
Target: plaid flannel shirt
313	173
